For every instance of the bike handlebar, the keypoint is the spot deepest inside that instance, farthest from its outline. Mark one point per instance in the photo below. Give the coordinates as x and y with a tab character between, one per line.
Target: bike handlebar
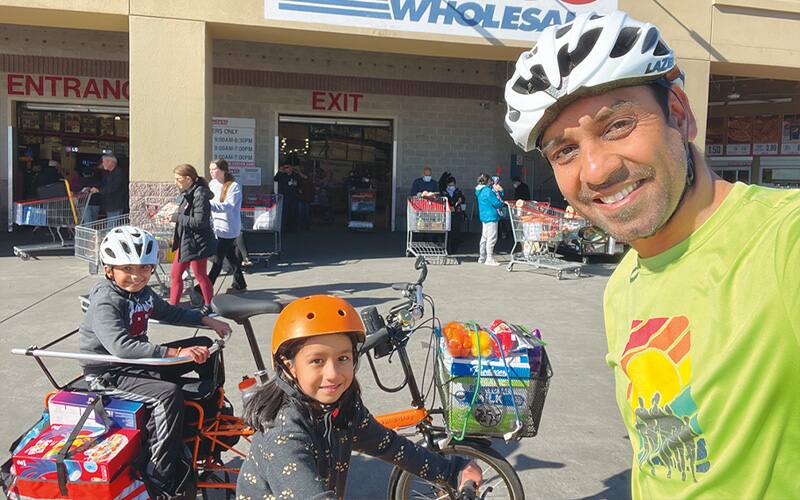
374	339
218	345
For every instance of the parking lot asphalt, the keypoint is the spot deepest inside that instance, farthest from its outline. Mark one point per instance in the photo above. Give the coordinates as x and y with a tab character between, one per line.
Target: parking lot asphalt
582	450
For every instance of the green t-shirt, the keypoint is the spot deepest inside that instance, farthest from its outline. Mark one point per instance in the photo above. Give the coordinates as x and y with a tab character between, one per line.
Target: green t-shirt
704	340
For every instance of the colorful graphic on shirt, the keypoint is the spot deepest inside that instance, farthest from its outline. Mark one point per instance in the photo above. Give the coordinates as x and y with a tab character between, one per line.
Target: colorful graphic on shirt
140	314
658	366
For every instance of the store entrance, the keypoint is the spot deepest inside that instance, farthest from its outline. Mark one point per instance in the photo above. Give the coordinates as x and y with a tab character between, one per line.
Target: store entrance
347	165
60	141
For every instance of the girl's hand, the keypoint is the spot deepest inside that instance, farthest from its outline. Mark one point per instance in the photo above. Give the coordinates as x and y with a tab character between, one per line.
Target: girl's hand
218	326
471	472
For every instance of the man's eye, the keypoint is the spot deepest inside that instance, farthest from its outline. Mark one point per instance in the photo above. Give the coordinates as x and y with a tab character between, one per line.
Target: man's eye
317	361
564	154
620	128
344	358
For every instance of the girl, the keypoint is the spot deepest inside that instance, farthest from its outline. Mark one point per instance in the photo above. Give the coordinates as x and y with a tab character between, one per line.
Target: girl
193	240
227	217
310	417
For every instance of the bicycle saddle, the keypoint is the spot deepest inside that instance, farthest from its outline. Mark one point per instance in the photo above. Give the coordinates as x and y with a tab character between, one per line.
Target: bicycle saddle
240	307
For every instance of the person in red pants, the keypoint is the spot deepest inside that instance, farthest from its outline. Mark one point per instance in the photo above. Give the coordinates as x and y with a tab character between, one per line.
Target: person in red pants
193	240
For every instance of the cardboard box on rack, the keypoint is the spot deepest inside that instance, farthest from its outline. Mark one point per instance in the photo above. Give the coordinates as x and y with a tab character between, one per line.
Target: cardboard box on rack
67	407
98	455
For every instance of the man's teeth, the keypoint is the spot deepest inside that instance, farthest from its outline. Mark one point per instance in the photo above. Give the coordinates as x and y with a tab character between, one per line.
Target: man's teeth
620	195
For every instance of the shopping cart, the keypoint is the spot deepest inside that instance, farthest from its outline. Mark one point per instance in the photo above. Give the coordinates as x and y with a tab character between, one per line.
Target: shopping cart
538	229
361	209
427	216
88	237
157	221
263	215
58	215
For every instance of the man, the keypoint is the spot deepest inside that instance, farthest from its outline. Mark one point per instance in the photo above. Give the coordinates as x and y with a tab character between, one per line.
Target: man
702	314
521	190
113	188
289	186
425	186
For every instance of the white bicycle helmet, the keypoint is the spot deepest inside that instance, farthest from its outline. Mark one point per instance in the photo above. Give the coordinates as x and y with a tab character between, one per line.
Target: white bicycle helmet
588	56
129	245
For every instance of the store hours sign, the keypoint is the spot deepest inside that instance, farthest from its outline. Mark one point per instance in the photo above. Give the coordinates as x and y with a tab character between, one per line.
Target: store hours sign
235	140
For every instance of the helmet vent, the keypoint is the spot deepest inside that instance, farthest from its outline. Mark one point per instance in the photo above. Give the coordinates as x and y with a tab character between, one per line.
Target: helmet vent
310	316
341	313
110	253
563	30
625	41
149	247
537	83
513	114
649	40
138	247
661	49
125	247
568	60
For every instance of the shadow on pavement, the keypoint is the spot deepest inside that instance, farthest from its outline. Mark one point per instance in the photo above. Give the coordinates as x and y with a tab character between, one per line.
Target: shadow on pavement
616	486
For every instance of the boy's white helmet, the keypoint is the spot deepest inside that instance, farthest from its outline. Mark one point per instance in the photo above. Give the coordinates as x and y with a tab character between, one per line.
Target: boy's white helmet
588	56
129	245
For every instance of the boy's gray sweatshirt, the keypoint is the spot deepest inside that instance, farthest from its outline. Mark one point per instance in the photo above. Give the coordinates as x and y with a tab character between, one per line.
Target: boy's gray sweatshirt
310	460
116	323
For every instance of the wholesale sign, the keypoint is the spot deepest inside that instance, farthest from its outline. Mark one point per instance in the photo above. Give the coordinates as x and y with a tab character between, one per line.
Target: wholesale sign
521	20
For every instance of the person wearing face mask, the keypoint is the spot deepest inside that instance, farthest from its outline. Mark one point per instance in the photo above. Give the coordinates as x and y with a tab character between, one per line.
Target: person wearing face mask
456	199
521	190
425	186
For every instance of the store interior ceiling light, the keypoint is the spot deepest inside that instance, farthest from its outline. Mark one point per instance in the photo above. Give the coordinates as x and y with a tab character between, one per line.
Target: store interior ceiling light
56	107
751	101
109	109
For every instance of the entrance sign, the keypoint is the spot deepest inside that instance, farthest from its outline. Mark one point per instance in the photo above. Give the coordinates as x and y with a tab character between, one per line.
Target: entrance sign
520	20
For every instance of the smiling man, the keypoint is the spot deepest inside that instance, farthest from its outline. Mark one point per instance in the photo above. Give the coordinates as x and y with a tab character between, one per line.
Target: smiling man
702	314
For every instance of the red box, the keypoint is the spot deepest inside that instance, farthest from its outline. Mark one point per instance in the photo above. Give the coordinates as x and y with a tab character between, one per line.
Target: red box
108	454
125	486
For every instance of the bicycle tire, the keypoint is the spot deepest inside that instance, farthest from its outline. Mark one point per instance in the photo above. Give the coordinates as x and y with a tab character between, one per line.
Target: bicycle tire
400	480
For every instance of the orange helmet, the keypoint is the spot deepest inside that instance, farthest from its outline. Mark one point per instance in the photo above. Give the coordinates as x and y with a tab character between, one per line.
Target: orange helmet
316	315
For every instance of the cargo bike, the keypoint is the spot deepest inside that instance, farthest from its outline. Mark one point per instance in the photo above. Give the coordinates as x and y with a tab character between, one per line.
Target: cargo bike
59	215
538	230
211	427
427	218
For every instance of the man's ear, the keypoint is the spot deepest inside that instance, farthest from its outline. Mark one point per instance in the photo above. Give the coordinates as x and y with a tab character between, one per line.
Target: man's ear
680	113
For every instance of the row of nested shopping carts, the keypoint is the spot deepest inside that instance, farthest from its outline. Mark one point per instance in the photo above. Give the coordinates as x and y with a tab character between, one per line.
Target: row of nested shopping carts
59	215
538	230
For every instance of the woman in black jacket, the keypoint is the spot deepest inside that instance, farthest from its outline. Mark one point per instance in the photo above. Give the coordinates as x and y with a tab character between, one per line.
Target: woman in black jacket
193	240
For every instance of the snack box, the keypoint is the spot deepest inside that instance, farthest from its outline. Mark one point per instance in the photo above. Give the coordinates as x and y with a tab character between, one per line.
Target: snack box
98	455
125	486
67	407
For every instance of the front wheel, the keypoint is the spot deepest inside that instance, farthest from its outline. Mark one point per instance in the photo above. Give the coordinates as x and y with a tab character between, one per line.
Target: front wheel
497	474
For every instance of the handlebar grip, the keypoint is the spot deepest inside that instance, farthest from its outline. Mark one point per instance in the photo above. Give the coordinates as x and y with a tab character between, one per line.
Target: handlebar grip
374	339
469	491
422	265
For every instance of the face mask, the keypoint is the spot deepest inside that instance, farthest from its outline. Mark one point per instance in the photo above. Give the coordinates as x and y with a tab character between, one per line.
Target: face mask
451	189
426	178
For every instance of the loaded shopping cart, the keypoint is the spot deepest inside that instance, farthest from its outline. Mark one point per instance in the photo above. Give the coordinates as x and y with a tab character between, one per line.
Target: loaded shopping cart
538	230
427	217
361	207
263	214
583	239
60	214
88	237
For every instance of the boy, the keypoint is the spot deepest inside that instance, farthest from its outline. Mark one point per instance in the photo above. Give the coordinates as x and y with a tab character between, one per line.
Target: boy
116	324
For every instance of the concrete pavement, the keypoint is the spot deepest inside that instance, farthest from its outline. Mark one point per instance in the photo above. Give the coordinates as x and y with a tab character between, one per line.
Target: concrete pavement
582	450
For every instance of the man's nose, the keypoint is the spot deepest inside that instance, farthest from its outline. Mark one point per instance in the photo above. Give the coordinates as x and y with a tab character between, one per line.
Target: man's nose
599	162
